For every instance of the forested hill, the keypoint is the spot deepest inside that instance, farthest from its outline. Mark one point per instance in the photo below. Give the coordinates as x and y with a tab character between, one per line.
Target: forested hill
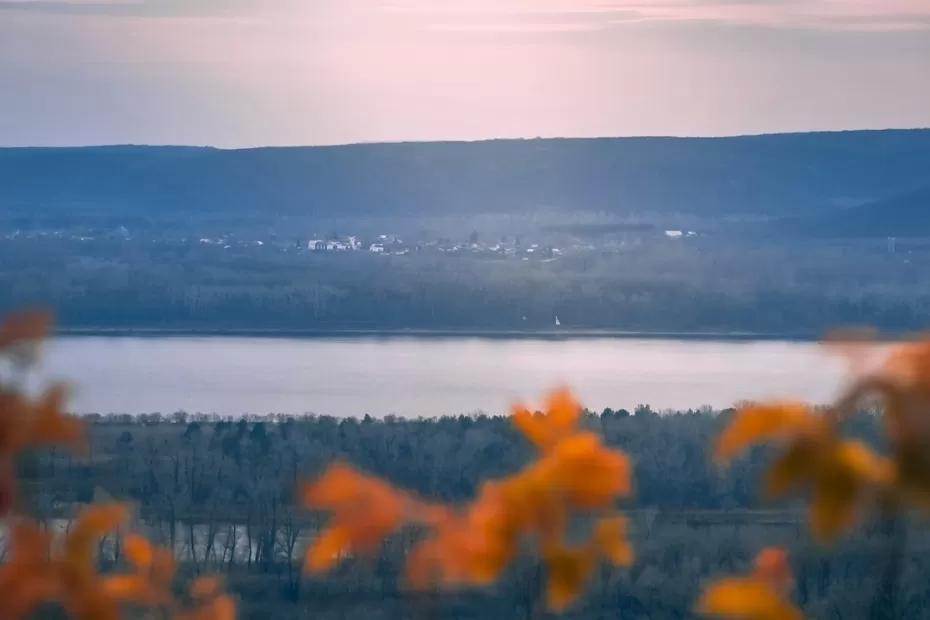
768	175
903	215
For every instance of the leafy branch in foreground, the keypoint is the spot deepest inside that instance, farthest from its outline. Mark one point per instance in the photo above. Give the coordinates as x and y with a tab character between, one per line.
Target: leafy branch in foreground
844	477
575	476
47	570
760	596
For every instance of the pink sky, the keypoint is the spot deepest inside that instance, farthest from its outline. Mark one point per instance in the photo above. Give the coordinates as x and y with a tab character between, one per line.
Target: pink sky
247	72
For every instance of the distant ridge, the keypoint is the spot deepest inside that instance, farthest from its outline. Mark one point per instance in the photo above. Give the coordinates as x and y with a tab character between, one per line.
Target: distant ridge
338	145
903	215
766	175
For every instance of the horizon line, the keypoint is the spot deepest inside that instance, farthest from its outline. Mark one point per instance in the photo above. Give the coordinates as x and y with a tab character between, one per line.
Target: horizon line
468	141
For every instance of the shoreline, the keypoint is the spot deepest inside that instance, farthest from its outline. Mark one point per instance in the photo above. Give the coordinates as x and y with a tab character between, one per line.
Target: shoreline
388	333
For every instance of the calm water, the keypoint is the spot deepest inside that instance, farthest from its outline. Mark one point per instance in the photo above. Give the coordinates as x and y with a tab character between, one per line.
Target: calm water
426	376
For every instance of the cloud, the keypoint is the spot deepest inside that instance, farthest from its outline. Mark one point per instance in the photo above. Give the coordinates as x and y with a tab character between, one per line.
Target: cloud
532	15
546	15
492	27
74	6
139	8
843	15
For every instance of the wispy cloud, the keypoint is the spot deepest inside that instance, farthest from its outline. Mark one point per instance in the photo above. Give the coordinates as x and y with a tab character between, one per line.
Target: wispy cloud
535	15
546	15
139	8
865	15
74	6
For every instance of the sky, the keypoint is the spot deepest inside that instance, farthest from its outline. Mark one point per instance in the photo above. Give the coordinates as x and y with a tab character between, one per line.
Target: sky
236	73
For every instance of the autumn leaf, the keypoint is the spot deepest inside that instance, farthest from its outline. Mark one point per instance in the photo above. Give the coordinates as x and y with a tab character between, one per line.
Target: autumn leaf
761	596
40	570
25	327
91	524
610	539
856	345
745	599
50	425
24	578
908	365
766	422
792	469
591	475
569	570
365	510
545	430
205	587
27	423
138	551
328	549
862	463
575	474
127	587
839	474
772	567
221	608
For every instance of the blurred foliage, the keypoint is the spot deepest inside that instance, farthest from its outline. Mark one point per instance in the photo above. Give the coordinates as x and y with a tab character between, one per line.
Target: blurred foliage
575	473
45	569
844	478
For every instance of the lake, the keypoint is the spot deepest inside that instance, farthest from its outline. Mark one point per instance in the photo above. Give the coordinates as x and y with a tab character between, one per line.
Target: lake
426	376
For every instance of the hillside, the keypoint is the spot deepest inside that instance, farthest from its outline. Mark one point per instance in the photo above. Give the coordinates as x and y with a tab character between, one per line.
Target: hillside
903	215
755	175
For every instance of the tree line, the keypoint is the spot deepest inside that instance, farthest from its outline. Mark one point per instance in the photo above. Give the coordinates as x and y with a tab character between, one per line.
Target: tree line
706	285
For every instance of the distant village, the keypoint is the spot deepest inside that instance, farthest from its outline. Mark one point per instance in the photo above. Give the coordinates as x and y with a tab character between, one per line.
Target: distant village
387	244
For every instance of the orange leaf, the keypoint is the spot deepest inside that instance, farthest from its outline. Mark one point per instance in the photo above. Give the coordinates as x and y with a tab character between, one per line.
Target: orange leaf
327	550
591	475
138	551
532	426
856	345
163	565
575	474
51	425
832	508
205	587
545	430
791	469
761	423
865	464
222	608
130	588
610	538
563	411
26	326
569	569
94	522
909	364
98	519
365	509
772	567
745	599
